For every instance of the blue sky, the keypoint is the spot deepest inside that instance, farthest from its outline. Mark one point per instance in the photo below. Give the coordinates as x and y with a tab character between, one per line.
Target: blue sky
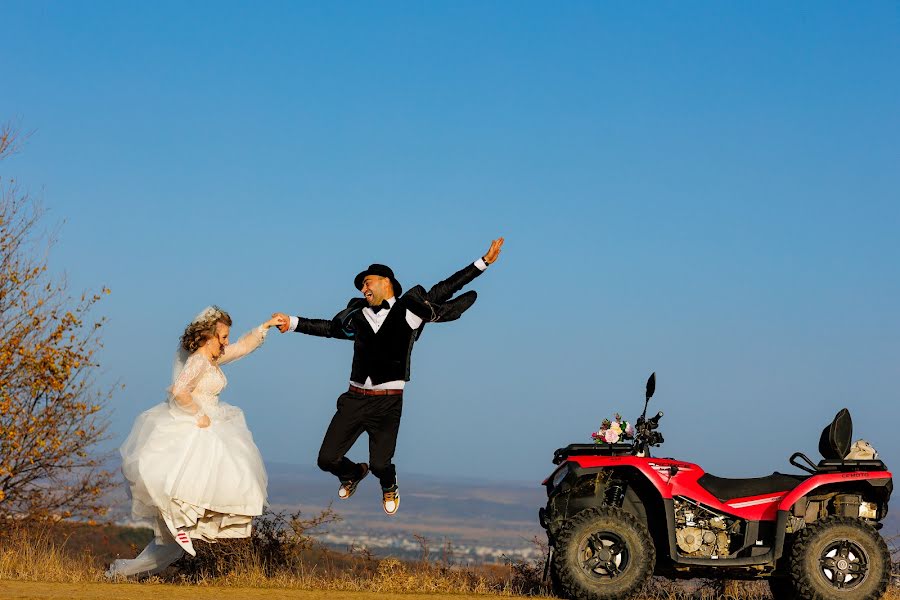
704	190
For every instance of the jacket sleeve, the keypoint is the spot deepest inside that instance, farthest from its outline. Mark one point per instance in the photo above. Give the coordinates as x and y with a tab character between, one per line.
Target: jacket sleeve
321	328
341	326
443	291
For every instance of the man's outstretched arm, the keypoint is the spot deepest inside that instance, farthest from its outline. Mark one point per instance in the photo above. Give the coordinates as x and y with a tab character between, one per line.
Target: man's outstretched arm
318	327
443	291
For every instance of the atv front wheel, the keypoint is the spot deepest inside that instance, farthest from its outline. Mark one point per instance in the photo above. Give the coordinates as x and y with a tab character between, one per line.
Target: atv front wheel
603	554
555	584
840	558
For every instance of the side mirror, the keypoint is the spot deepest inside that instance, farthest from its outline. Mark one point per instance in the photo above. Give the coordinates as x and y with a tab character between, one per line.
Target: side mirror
651	385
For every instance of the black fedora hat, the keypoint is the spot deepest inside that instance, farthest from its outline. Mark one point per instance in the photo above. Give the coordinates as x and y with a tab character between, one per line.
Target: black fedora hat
381	271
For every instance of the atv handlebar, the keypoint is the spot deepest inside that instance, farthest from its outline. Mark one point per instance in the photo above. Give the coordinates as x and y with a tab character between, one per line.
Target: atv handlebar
649	424
646	434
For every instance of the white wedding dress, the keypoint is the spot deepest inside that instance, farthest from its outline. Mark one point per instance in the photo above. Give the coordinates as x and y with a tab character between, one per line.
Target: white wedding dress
206	482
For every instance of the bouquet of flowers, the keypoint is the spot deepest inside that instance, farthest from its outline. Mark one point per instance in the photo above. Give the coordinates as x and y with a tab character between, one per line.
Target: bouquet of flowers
613	431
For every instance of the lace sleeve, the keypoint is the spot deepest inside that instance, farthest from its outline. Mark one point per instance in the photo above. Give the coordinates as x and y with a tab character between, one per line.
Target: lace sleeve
186	382
249	342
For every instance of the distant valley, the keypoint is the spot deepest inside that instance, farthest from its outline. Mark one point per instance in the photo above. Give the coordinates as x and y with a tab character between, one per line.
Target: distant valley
482	520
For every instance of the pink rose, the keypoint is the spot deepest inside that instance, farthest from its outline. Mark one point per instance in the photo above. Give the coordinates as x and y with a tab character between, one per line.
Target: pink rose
611	436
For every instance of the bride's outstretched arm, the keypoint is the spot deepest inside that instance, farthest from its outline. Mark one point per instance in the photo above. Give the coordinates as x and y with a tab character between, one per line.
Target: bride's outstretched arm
249	342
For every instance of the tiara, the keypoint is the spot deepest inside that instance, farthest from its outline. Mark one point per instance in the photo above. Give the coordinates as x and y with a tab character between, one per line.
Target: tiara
207	314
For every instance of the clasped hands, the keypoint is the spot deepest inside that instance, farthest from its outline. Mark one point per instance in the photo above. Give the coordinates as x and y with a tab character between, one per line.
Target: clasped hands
278	320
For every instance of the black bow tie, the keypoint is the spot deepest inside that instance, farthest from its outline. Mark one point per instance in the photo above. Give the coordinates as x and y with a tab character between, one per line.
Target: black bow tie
384	304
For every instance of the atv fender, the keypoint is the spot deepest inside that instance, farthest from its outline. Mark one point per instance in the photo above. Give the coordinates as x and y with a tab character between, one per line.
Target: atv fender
878	482
635	495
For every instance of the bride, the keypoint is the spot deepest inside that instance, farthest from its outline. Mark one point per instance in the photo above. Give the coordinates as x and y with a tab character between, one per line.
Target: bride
190	462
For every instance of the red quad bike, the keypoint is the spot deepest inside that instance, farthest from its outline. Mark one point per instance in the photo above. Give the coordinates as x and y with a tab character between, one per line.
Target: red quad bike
615	516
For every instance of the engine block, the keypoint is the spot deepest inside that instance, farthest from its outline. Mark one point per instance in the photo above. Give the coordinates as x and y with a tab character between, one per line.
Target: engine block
701	532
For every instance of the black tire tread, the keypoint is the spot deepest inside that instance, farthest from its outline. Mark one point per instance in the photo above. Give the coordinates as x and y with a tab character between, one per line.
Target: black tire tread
645	561
555	585
802	580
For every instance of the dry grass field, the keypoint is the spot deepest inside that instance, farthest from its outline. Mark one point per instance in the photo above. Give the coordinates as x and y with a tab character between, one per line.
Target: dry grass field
29	590
37	562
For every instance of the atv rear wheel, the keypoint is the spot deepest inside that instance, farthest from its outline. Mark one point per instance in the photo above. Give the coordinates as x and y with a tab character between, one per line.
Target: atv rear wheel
603	554
840	558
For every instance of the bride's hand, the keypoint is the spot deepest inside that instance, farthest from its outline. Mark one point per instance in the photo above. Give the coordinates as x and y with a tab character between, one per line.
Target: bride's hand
276	321
203	421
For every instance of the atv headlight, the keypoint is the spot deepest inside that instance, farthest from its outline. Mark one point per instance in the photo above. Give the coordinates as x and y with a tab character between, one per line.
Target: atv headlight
560	475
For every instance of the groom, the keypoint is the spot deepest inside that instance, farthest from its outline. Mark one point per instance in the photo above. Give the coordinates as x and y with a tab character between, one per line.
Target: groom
383	326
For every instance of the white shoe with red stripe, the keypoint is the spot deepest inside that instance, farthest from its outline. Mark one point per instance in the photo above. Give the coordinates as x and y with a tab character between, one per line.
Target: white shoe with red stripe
181	537
184	540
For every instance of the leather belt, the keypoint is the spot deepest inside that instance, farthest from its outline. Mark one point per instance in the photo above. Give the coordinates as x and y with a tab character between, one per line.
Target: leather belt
365	392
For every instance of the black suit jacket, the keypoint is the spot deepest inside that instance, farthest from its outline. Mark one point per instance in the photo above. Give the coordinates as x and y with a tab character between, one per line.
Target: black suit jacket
386	356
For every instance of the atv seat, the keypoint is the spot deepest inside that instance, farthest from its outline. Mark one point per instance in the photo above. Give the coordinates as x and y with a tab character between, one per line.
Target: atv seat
729	489
834	444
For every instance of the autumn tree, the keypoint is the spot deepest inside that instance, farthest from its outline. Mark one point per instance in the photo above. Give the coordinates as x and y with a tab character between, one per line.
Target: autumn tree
51	416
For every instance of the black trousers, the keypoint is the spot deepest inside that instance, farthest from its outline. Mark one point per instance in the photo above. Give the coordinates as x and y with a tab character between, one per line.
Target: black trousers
378	416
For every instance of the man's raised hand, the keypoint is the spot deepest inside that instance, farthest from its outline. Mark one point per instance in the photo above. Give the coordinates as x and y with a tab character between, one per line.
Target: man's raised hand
494	251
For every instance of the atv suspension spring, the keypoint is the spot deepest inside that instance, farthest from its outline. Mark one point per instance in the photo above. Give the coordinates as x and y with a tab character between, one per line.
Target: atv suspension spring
615	494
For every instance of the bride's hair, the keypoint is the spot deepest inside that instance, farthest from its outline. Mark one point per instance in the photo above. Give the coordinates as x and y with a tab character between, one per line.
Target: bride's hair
203	328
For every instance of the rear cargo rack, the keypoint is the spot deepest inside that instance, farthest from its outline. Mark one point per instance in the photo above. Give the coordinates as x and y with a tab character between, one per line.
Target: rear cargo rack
562	454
